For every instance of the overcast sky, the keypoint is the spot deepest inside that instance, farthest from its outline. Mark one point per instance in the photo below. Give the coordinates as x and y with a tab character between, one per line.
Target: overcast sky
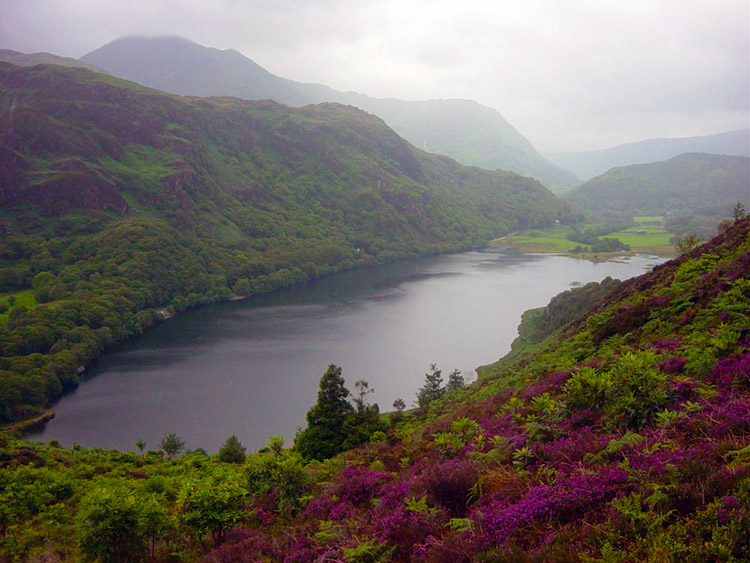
568	74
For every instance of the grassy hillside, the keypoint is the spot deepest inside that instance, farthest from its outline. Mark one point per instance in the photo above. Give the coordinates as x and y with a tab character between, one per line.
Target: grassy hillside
707	184
473	134
117	201
622	436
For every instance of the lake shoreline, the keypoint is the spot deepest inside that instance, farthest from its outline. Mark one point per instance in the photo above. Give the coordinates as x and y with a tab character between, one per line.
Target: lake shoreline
225	362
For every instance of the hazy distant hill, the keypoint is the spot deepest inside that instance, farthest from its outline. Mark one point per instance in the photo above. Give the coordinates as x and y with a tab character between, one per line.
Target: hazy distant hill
705	183
475	135
31	59
587	164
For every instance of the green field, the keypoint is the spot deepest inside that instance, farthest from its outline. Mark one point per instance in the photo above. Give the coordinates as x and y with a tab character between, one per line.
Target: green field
643	237
24	297
648	236
541	240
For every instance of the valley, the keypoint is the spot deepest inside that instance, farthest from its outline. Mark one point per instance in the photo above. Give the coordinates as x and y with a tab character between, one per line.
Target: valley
250	318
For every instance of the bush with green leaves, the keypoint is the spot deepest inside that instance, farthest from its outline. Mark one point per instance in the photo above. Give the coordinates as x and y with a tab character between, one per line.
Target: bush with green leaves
211	504
117	524
639	389
587	388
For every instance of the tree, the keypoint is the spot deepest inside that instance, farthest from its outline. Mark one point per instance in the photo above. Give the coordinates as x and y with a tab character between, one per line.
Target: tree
397	416
171	444
455	380
141	445
232	451
687	243
323	437
360	425
363	389
738	211
432	389
276	444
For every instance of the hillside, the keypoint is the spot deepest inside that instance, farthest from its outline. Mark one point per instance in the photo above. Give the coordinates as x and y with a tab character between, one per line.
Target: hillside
473	134
623	436
31	59
703	183
117	201
587	164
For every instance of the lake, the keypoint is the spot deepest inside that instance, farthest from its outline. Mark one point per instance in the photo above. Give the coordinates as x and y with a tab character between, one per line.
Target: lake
251	368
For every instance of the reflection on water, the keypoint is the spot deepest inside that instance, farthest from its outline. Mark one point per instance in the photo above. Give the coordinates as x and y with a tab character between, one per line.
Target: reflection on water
252	367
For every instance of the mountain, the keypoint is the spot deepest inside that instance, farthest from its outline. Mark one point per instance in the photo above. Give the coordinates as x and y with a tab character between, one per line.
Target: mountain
31	59
587	164
473	134
708	184
620	436
117	200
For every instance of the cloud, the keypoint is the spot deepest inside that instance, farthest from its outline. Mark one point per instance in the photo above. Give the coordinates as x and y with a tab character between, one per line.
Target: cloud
569	75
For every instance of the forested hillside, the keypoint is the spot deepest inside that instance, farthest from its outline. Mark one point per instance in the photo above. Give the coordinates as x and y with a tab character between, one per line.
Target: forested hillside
623	436
708	184
473	134
117	200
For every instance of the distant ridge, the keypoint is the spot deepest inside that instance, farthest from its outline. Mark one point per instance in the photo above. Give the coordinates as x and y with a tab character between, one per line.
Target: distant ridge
587	164
22	59
704	183
474	134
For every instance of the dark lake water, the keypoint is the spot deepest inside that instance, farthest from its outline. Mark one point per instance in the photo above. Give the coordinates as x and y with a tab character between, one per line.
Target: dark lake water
251	368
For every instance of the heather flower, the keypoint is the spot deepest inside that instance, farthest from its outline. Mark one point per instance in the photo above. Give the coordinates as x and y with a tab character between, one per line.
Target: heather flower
675	364
360	484
551	383
734	370
568	498
685	389
241	543
669	345
572	449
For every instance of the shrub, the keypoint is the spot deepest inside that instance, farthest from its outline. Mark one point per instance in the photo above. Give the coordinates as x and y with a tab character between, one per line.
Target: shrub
587	389
450	485
115	525
211	505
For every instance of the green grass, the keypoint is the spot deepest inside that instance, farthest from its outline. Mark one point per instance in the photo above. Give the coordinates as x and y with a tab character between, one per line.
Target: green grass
24	297
648	236
643	237
547	240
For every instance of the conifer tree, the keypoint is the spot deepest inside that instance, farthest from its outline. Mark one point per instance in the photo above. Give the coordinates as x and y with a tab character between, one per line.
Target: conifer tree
323	437
232	451
432	389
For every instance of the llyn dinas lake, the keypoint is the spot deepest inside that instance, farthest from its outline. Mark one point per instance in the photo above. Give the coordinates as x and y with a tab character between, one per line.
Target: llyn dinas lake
251	368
